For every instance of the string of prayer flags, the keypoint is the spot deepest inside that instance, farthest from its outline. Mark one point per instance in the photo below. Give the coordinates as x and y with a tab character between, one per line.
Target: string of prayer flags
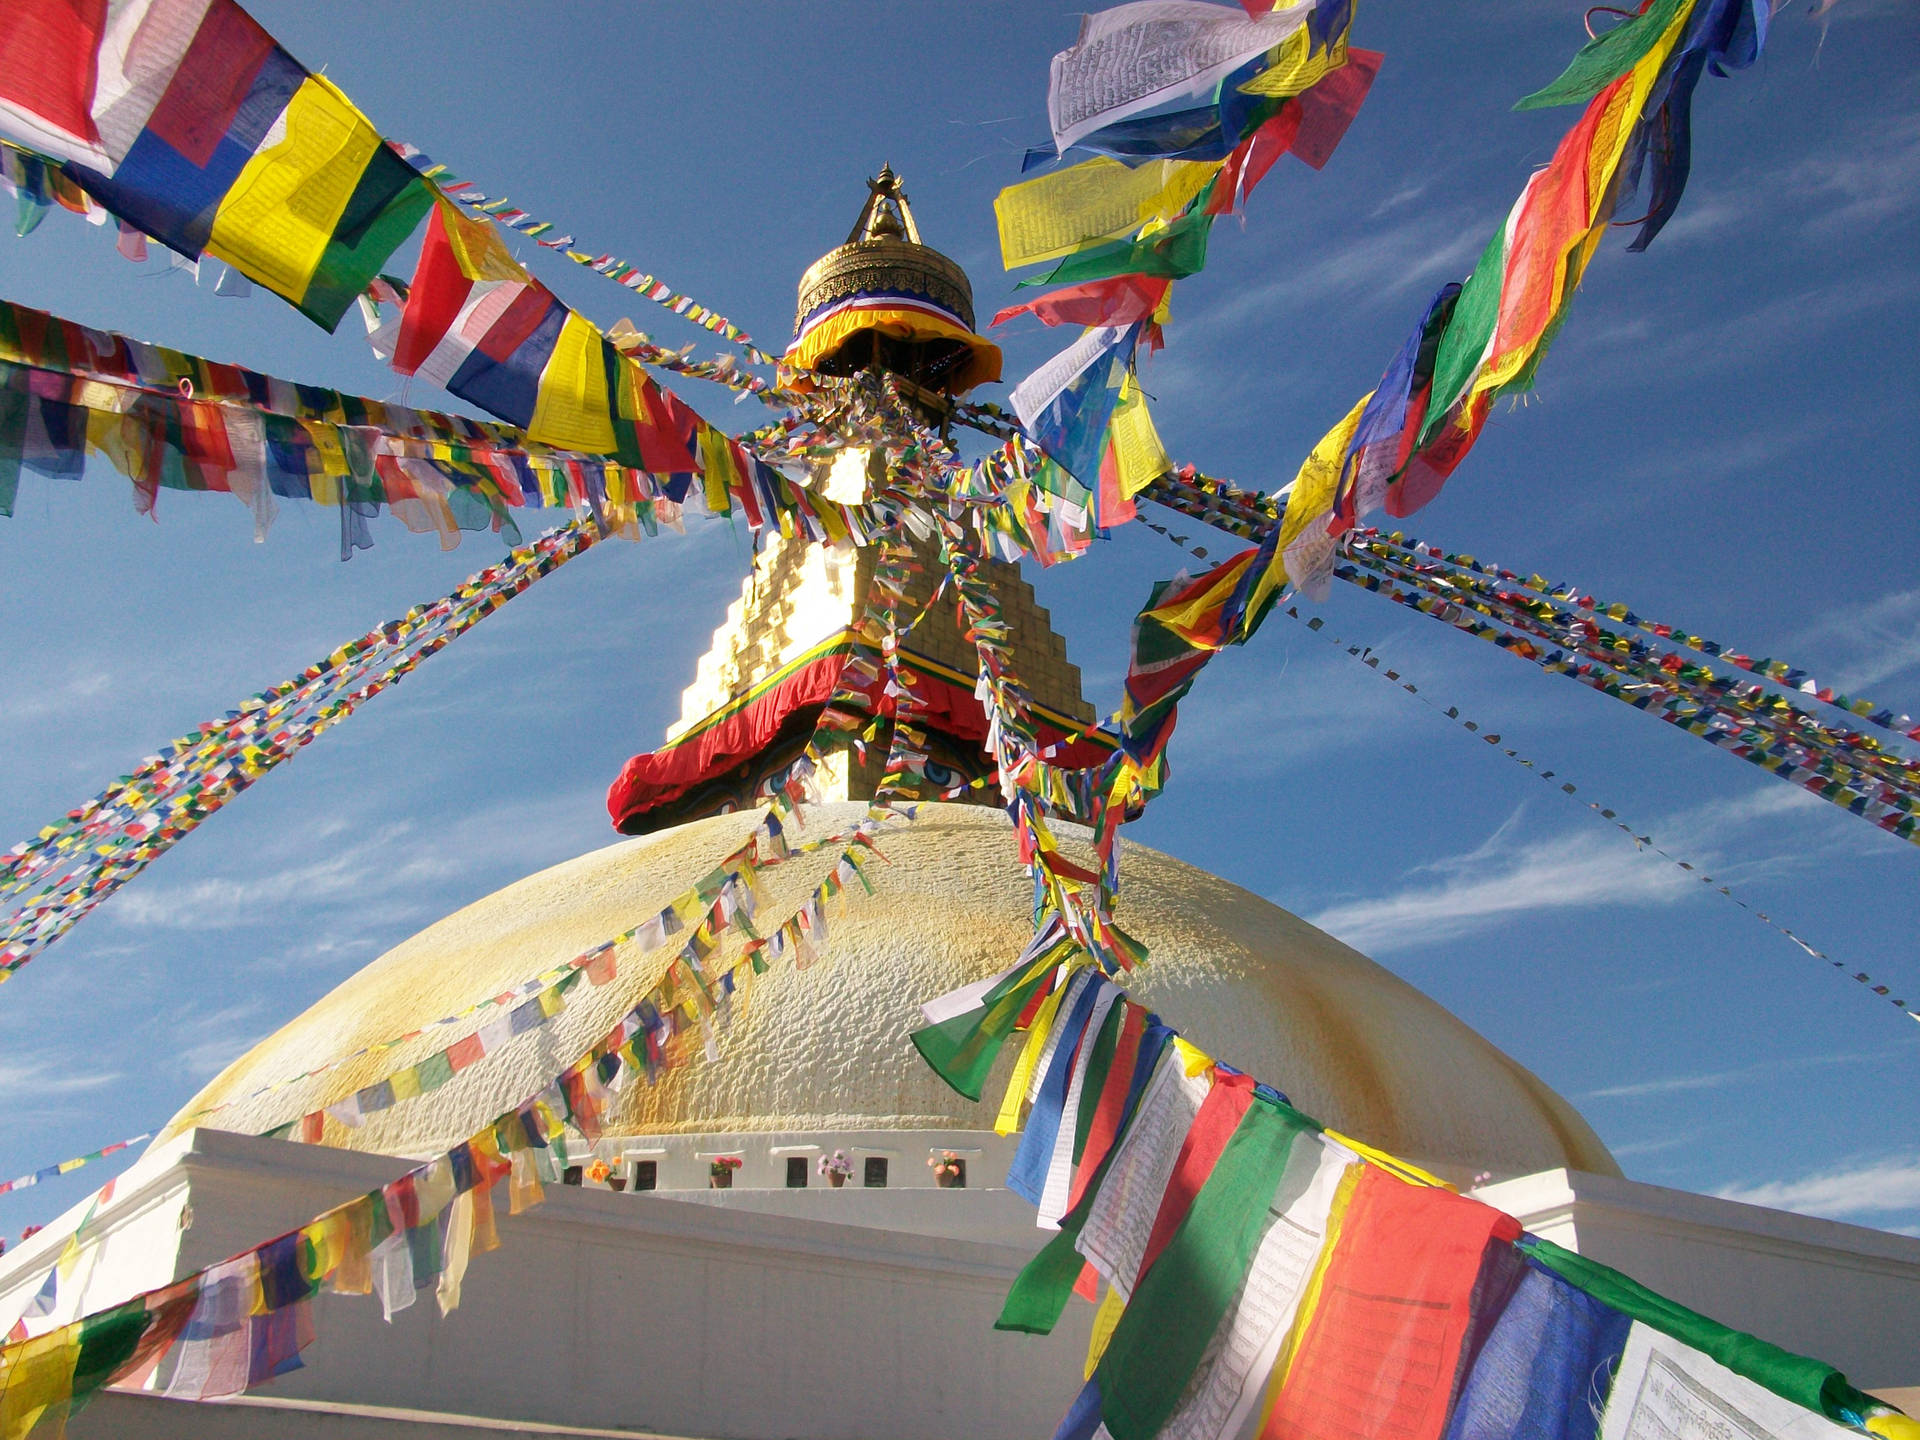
67	1167
1751	706
1487	336
1269	1277
1189	106
1781	672
1855	771
37	184
49	883
170	420
1769	732
185	120
504	213
477	324
714	904
1367	656
236	1324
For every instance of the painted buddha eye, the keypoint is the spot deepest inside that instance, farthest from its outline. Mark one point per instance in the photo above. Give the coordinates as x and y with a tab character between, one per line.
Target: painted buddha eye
942	775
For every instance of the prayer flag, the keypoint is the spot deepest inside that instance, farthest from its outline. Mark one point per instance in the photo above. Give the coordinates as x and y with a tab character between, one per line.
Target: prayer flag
1379	1352
78	78
1546	1364
1178	1304
248	158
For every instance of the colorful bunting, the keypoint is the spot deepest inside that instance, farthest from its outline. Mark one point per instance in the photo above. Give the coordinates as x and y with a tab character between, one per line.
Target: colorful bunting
67	1167
1272	1278
1367	656
50	882
504	213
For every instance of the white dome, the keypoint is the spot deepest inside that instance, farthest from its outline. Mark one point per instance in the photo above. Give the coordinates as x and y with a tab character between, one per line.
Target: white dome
827	1048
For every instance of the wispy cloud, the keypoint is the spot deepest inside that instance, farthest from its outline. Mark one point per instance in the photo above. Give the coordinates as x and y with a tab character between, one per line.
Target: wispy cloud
202	1045
1508	875
1721	1079
30	1078
1388	263
1879	638
376	865
1499	880
1883	1186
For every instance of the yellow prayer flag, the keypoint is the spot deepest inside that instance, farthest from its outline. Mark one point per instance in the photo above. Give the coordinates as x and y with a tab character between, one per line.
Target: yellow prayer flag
35	1376
477	247
1299	66
1390	1163
1082	205
1192	1059
1009	1118
1105	1319
277	220
1137	450
1310	1294
573	410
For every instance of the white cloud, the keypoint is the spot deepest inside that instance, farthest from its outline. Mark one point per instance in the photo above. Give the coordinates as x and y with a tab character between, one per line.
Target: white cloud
1502	879
1866	1188
1384	264
376	865
31	1078
1720	1079
1879	637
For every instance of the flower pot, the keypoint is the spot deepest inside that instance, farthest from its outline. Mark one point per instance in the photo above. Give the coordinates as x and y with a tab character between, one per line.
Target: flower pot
617	1182
947	1179
720	1180
836	1179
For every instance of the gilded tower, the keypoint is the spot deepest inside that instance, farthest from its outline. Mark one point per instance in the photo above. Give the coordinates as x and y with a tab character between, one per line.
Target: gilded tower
883	300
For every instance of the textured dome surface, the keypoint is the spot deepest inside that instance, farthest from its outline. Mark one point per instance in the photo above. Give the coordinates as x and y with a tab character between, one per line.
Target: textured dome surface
826	1048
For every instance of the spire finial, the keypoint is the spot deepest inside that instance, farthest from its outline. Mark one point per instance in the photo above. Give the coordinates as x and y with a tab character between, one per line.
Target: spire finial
887	215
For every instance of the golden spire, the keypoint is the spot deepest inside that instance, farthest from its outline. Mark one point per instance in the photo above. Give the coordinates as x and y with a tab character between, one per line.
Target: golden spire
885	299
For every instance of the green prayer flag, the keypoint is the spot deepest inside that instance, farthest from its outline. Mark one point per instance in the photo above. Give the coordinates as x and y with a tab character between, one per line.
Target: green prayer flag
1041	1288
1176	252
107	1341
1180	1301
962	1050
436	1070
1811	1384
1469	328
1605	58
13	434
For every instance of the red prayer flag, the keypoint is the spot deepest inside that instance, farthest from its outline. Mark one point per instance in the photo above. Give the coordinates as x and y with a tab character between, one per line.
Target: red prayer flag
1328	108
440	287
48	51
464	1052
1220	1115
1121	300
1379	1353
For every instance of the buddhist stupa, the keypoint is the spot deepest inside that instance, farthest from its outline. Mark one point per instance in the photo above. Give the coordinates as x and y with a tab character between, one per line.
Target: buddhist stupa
781	1306
820	1059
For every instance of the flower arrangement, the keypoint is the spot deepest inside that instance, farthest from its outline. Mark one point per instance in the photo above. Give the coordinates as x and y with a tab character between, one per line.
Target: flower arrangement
720	1172
836	1167
949	1170
599	1172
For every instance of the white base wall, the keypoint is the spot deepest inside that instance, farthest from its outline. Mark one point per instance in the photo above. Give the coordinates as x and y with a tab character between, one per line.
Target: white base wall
765	1313
1843	1293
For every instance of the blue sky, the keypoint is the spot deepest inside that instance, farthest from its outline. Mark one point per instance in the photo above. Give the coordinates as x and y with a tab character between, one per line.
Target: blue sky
1723	437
